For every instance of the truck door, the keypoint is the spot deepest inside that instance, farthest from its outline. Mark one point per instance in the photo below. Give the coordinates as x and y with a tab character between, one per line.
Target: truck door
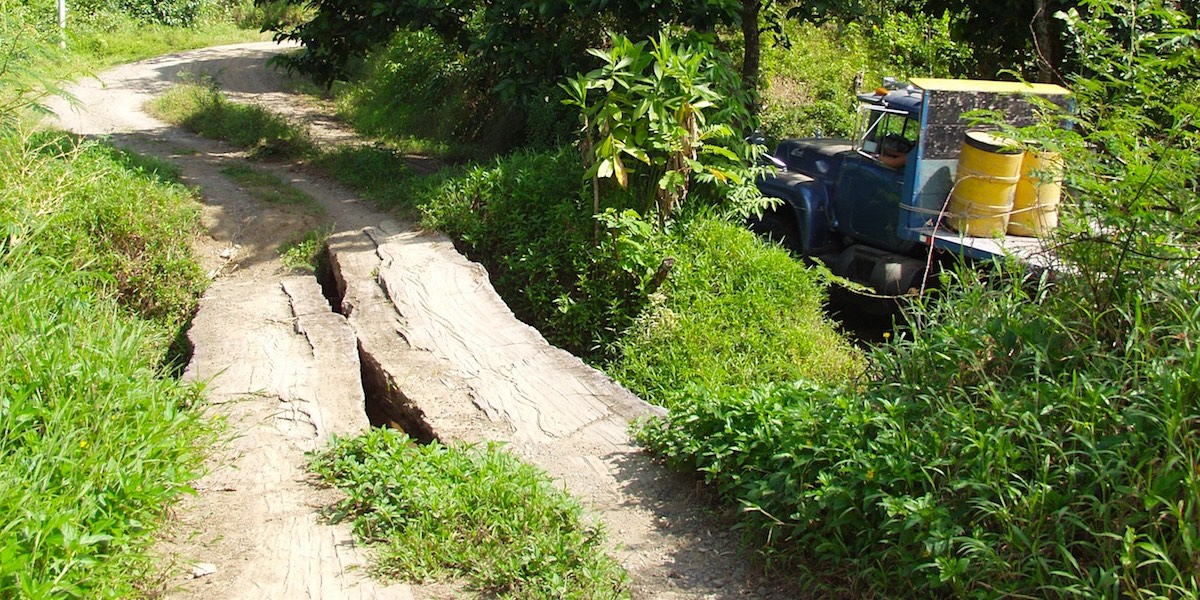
868	191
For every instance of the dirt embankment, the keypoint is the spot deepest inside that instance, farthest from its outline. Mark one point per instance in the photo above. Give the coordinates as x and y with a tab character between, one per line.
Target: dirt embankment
408	330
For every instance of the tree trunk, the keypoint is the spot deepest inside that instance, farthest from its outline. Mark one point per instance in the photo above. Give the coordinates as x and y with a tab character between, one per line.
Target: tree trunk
753	47
1043	42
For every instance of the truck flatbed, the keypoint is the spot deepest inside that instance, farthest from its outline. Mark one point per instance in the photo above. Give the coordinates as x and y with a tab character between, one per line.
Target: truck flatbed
1032	251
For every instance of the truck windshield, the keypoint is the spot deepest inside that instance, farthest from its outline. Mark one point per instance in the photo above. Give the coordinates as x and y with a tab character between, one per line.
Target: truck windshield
885	132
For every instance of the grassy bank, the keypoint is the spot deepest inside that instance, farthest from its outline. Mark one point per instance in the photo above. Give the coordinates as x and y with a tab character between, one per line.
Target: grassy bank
95	442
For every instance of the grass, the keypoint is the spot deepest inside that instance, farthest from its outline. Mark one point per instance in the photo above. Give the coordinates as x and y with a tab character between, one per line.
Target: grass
304	252
268	187
114	39
95	443
199	107
378	172
473	513
734	313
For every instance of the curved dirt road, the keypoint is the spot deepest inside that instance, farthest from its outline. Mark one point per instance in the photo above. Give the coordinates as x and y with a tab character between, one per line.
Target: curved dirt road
424	335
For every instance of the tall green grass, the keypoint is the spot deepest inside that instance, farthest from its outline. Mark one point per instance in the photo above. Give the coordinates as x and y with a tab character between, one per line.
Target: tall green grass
95	443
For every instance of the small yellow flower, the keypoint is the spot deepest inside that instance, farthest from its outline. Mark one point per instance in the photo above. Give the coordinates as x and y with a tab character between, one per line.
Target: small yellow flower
887	335
83	443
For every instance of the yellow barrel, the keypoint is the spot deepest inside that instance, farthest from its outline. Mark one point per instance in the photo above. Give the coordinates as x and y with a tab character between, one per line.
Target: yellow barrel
984	184
1035	203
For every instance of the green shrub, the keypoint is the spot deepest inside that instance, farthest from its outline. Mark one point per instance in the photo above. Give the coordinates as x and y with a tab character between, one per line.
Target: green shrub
421	95
95	444
665	120
735	311
173	13
999	453
919	45
473	513
268	14
526	219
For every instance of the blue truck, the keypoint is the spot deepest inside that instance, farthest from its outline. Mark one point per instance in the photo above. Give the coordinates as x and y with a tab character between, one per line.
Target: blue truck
872	207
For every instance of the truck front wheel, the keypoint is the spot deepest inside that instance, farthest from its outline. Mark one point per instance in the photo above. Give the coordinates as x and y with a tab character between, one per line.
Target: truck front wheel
778	226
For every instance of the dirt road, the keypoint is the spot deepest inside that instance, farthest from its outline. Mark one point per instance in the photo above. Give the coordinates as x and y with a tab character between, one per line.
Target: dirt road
418	336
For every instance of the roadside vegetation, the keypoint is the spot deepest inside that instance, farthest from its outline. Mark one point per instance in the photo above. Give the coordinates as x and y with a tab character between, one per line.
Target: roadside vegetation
95	439
1021	436
468	513
97	283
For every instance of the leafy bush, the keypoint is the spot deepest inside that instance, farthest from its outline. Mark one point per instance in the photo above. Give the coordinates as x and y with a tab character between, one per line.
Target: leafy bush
419	93
94	443
525	218
676	108
999	453
174	13
919	45
263	15
435	512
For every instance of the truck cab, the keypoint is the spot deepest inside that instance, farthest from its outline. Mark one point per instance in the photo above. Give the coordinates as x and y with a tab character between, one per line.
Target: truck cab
871	207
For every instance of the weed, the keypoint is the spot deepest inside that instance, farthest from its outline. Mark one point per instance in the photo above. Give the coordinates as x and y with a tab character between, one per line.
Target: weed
304	252
268	187
476	513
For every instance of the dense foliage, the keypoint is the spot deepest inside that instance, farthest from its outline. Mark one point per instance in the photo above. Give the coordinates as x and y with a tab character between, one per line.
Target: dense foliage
472	513
513	53
1030	436
420	94
676	108
94	441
